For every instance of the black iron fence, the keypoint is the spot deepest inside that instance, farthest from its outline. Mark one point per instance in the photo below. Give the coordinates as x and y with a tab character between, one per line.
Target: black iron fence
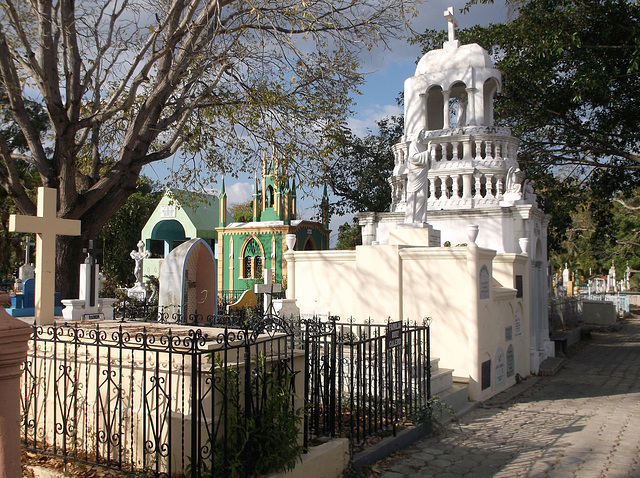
241	400
360	381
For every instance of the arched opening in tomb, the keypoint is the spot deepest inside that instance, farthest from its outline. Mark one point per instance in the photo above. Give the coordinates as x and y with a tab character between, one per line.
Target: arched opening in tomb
458	105
251	255
435	105
309	244
490	87
166	236
269	197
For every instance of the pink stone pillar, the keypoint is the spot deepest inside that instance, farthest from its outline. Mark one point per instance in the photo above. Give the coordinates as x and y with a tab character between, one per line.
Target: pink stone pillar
14	342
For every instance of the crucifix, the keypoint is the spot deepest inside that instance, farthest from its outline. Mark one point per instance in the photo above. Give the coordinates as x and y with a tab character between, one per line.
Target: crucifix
46	226
27	243
452	23
90	260
267	288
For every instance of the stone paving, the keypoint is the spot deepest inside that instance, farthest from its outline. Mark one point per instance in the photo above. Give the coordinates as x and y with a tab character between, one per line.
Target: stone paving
583	422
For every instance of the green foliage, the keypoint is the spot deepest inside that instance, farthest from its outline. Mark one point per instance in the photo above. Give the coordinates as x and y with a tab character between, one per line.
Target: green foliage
358	177
266	439
242	212
349	236
120	235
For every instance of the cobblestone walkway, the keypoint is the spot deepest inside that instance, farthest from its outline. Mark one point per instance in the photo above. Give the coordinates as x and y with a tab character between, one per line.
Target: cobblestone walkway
583	422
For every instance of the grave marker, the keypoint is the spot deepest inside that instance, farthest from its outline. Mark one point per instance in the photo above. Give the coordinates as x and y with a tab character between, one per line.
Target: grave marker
46	226
267	289
26	270
511	361
90	261
500	380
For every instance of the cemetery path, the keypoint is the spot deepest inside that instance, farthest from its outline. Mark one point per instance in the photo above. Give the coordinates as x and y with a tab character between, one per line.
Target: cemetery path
583	422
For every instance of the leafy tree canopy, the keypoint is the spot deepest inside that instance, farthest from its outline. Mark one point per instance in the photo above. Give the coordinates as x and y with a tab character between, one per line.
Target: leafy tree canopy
128	83
358	177
349	236
121	233
242	212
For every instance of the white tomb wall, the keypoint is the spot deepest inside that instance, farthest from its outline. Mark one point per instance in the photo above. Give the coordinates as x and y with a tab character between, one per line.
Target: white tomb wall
414	282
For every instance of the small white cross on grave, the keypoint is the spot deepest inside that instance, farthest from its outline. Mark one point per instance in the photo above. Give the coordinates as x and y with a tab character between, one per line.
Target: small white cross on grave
452	23
267	288
46	226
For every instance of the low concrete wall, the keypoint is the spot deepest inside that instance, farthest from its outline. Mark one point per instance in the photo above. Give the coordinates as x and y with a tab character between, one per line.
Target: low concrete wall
598	312
328	460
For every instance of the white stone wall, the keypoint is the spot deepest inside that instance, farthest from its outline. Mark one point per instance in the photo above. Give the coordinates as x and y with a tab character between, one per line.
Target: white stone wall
414	282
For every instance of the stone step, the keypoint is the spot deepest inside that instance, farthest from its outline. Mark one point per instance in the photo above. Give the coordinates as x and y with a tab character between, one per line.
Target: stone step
441	380
434	364
457	397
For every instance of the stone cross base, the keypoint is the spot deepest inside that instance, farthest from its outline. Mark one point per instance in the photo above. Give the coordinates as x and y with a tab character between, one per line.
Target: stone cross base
78	309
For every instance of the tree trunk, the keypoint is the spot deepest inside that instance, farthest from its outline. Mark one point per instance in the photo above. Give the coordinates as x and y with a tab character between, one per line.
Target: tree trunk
68	259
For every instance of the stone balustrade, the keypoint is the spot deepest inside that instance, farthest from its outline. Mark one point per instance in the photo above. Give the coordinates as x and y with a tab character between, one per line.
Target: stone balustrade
468	169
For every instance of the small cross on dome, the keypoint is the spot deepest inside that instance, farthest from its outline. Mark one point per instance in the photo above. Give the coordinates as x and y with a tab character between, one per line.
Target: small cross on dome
452	23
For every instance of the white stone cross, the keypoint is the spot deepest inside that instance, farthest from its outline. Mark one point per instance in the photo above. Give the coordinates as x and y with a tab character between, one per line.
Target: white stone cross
46	226
267	288
452	23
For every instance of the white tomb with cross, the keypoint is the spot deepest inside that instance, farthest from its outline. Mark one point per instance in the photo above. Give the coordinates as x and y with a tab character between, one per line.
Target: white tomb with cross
27	270
89	305
267	289
46	226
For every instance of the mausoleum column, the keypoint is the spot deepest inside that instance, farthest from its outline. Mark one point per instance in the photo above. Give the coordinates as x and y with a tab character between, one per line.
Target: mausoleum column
471	95
478	177
289	256
466	185
454	150
499	187
14	343
499	150
466	150
454	186
445	97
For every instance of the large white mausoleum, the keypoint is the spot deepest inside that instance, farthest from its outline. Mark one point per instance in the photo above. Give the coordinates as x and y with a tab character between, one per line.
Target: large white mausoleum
455	183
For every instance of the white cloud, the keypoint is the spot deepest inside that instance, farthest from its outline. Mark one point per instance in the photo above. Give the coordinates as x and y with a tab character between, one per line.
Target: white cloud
239	192
364	122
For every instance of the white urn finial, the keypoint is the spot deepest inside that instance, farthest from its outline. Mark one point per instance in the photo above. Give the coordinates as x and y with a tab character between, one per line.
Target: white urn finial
291	241
472	233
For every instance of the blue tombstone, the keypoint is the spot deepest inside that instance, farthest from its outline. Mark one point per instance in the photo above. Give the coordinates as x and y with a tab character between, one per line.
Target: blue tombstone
28	293
23	305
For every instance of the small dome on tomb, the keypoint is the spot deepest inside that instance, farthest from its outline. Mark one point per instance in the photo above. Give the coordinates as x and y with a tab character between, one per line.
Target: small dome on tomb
463	57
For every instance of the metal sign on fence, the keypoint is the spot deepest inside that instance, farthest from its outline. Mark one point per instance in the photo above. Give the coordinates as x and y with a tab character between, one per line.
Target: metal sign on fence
394	334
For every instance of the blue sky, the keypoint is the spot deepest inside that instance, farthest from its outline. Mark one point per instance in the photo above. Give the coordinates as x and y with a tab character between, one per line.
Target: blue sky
386	71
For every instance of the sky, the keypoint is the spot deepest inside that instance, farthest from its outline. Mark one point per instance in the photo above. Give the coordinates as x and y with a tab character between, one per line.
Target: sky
386	70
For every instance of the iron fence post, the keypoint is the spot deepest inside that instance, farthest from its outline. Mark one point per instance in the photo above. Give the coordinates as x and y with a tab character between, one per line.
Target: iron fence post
195	412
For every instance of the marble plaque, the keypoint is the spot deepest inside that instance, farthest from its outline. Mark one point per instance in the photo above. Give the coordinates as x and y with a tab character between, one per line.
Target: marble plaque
518	323
500	369
508	333
484	283
486	375
511	362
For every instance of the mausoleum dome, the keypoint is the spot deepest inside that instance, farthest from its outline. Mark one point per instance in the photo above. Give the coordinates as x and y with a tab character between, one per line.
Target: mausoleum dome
463	57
